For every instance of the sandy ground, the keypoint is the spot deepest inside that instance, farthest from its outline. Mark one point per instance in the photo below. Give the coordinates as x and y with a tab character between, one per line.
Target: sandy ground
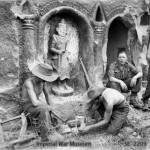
134	136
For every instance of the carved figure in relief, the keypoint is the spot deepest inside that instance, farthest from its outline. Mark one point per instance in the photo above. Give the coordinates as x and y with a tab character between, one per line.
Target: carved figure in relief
60	59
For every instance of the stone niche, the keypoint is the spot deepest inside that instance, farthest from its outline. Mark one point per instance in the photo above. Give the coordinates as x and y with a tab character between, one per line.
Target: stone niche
123	34
117	40
80	44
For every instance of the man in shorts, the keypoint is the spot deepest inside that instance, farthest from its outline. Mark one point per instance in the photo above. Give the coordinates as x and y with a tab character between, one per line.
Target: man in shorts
32	88
110	104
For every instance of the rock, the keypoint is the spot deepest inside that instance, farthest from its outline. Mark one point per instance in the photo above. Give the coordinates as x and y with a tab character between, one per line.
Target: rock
131	137
134	134
128	130
3	113
9	53
56	137
138	137
148	146
133	121
8	110
121	136
65	129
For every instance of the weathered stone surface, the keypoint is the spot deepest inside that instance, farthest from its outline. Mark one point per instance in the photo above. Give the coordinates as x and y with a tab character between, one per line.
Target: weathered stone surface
9	50
9	60
92	47
9	100
3	113
68	107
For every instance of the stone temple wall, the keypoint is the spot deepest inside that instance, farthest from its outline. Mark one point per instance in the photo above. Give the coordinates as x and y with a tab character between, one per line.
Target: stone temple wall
18	43
9	47
9	60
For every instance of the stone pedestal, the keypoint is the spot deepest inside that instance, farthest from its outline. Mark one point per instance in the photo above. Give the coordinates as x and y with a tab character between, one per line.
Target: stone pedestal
63	93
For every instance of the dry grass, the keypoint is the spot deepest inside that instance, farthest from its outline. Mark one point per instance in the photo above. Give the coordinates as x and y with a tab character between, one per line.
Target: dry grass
68	109
99	142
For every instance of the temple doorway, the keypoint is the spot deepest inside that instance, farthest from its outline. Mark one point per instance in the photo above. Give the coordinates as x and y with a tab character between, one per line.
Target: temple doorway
117	41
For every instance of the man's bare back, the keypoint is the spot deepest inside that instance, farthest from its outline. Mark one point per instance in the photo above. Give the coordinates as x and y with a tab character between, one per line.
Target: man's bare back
32	103
31	90
112	97
30	83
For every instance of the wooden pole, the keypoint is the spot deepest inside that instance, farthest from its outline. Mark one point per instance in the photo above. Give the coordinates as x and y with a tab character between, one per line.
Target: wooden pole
86	75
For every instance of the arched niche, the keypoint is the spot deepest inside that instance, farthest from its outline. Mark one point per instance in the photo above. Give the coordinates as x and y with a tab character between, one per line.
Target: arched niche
98	14
80	23
145	19
117	40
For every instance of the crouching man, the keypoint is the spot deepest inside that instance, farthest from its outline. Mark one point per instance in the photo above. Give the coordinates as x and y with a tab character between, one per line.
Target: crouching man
123	76
32	105
111	106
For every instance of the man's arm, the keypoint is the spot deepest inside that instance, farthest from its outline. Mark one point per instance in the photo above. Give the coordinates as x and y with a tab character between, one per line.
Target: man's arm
107	116
32	94
111	73
138	74
112	78
135	71
121	83
57	51
53	49
45	91
134	79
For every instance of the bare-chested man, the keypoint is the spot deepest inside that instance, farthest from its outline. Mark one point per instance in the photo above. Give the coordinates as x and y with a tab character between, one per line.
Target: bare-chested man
110	104
31	90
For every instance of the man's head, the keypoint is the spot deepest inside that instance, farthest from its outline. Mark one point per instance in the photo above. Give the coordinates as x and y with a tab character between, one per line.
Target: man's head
122	57
44	72
93	92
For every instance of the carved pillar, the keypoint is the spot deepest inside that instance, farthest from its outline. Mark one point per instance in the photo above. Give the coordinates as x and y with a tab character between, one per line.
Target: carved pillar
98	43
28	52
145	43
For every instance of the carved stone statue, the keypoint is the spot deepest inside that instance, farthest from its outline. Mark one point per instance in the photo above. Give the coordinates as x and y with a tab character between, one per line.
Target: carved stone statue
60	60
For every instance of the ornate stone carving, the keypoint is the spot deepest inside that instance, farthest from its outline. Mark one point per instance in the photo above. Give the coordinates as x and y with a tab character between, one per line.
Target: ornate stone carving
98	39
99	24
26	11
99	28
28	23
61	57
145	39
136	49
51	5
115	11
147	5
